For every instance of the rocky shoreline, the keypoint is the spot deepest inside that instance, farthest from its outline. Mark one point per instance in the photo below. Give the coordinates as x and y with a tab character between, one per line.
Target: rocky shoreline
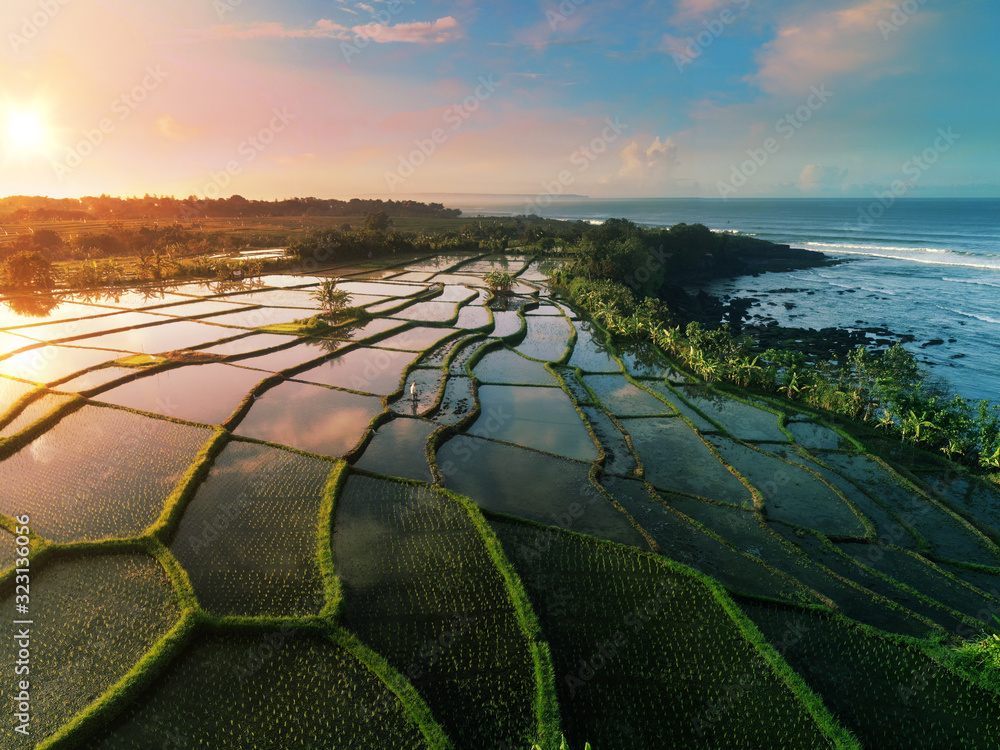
691	302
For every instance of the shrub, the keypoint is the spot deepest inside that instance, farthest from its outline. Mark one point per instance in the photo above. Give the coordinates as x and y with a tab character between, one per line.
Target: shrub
28	270
333	301
499	281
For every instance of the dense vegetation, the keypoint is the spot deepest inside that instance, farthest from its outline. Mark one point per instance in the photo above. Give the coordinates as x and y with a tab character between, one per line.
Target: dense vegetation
887	388
117	252
164	207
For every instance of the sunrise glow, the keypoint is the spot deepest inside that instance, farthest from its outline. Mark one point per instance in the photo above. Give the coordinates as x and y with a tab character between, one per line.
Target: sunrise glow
24	130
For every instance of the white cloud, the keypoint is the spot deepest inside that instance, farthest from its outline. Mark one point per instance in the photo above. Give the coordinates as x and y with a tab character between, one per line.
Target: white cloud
813	46
655	160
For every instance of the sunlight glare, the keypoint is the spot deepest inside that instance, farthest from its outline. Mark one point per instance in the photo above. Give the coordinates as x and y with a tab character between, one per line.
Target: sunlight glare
24	129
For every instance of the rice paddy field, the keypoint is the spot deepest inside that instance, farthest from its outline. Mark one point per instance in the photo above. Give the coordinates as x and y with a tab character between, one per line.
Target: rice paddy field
466	521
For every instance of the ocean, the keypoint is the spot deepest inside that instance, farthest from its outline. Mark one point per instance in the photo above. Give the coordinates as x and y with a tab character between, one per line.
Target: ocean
923	266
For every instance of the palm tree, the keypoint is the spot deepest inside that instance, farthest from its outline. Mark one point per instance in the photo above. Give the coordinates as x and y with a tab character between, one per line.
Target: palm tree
333	301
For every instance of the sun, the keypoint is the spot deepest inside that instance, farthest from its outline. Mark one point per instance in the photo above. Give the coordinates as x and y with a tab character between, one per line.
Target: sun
25	130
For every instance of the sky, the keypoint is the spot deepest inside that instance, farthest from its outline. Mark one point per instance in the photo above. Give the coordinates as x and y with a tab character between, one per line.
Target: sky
393	98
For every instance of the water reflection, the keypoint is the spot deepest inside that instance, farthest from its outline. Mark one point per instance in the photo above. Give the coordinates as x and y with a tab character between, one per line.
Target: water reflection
199	393
310	417
51	363
34	306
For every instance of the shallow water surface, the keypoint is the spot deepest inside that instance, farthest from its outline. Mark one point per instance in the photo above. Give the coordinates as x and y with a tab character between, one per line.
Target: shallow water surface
310	417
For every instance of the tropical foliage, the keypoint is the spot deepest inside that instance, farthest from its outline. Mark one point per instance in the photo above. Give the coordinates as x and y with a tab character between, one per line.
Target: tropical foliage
499	281
331	299
886	388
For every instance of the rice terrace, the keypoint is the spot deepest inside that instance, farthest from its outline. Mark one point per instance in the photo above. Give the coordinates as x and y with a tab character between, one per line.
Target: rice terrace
428	500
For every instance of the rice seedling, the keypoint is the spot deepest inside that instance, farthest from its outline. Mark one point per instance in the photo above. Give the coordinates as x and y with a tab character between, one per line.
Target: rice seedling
945	532
82	481
544	488
420	392
204	393
647	656
741	420
889	692
457	403
618	455
53	363
8	550
96	617
248	537
265	689
816	436
789	492
11	394
34	412
421	589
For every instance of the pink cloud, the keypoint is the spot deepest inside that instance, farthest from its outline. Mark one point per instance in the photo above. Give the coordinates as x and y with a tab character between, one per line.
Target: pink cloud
821	44
442	30
690	10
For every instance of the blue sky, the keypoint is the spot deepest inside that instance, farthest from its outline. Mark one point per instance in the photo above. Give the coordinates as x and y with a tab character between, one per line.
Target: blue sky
711	98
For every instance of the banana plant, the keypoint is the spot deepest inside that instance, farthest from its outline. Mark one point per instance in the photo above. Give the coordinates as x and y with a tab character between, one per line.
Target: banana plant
794	387
917	424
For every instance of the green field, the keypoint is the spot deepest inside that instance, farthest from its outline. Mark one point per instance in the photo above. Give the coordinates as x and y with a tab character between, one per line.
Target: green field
261	537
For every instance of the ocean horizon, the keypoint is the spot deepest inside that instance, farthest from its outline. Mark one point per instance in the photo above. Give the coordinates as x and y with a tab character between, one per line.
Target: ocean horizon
929	267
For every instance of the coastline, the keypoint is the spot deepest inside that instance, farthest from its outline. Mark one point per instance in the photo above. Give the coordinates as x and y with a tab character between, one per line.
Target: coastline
925	273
